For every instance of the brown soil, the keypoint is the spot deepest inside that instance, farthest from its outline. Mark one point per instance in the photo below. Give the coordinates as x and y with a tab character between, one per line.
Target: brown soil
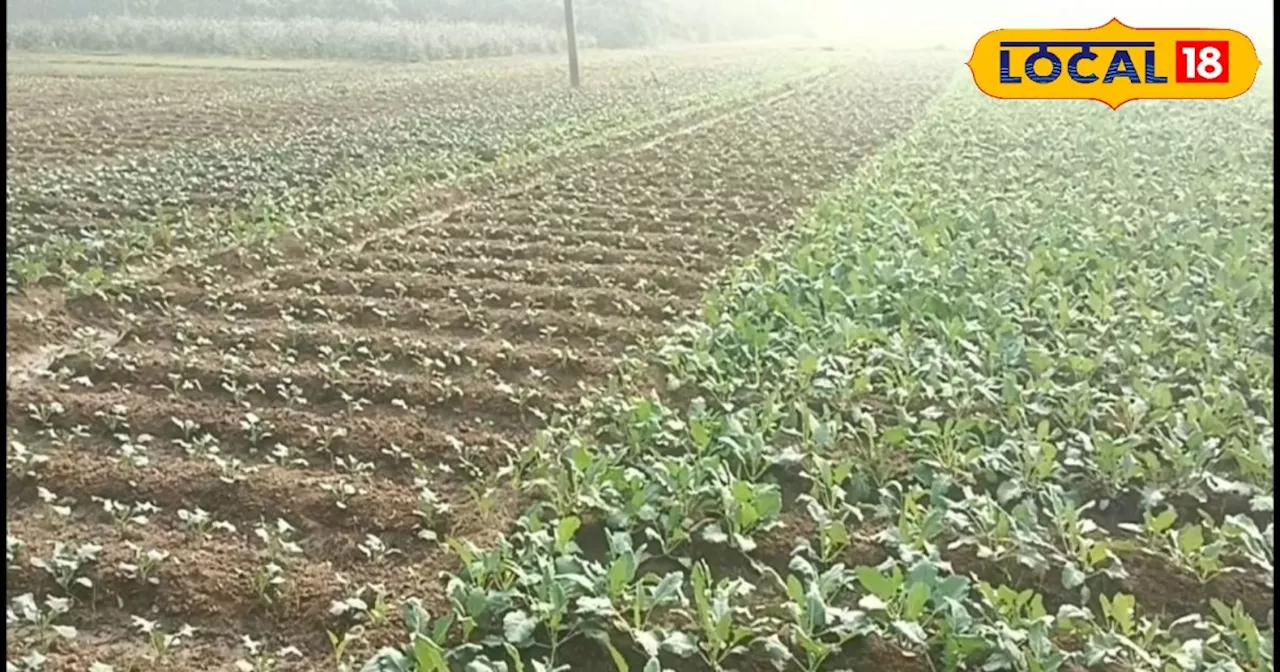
556	276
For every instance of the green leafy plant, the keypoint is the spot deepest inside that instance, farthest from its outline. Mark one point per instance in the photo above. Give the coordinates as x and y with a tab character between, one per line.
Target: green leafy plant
724	629
820	629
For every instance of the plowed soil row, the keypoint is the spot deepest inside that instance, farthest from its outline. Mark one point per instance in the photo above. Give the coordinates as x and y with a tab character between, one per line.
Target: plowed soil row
37	323
330	394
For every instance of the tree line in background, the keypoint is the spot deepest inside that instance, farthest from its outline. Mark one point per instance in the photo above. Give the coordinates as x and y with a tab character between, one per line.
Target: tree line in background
609	23
311	38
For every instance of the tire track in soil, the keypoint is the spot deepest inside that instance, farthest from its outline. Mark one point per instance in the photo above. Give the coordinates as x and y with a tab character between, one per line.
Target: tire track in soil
780	152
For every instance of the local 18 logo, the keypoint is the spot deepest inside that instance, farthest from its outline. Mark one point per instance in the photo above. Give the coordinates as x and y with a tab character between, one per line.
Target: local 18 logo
1114	64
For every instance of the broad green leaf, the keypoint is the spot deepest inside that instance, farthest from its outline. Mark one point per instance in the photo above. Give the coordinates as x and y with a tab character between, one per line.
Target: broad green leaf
722	619
953	587
917	597
894	436
1161	396
837	534
668	588
913	632
880	585
811	646
769	503
698	431
1222	611
582	457
648	642
924	571
1072	577
386	659
815	610
714	534
621	572
1097	553
429	655
1164	521
565	529
1190	539
808	364
518	627
1247	628
1120	610
680	643
795	591
747	515
872	603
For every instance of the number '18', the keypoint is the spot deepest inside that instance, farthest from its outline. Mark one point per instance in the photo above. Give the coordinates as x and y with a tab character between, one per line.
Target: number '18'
1209	65
1202	62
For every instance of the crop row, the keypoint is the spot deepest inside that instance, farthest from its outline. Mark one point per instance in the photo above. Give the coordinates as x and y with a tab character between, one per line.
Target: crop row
389	388
203	162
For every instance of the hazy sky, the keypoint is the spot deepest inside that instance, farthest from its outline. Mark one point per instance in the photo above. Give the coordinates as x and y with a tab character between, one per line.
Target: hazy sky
964	21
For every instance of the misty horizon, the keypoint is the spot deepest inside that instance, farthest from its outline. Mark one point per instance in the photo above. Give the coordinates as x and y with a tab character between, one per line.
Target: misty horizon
922	23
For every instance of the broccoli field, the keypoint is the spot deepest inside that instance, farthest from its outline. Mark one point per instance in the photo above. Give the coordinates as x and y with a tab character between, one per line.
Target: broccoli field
767	359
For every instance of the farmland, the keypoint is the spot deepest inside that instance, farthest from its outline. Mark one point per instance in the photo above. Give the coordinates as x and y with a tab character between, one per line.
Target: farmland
108	168
502	389
364	379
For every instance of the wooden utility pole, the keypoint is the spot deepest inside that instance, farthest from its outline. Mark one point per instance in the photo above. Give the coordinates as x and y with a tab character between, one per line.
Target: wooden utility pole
572	33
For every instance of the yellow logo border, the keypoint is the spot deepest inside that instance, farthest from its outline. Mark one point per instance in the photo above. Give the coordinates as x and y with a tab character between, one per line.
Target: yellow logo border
1114	22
